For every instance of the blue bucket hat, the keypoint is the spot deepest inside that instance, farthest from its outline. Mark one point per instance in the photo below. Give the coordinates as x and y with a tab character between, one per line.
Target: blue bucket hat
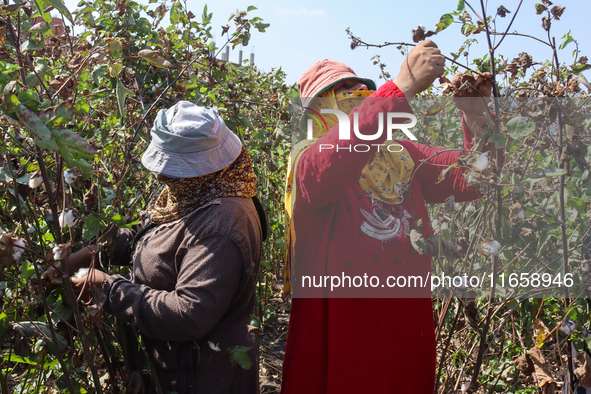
190	141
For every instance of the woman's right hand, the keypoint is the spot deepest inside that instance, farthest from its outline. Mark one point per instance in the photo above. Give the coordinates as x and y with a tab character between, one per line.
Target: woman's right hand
423	64
83	286
80	259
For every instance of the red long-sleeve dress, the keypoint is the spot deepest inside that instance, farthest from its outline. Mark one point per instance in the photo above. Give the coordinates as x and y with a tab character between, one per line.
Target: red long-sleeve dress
361	345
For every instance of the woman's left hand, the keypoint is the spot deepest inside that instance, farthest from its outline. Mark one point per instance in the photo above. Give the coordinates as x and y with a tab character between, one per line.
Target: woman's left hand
84	284
473	98
472	95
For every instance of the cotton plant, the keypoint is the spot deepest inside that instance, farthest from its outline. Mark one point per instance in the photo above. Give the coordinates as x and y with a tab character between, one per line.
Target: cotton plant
490	247
12	246
481	162
72	175
35	180
60	251
69	217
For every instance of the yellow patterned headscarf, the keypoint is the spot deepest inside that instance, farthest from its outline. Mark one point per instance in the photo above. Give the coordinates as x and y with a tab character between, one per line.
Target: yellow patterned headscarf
182	196
385	177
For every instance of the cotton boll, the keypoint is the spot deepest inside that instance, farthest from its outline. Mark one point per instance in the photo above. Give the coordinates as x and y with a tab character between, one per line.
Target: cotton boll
81	273
465	386
68	217
490	247
481	162
17	249
568	326
35	180
71	175
60	252
57	253
214	347
521	214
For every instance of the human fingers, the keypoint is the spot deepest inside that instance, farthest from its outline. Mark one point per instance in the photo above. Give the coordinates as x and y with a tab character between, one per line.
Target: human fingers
81	287
427	43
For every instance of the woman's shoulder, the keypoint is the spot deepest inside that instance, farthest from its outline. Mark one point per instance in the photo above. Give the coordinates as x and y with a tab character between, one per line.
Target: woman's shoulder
222	216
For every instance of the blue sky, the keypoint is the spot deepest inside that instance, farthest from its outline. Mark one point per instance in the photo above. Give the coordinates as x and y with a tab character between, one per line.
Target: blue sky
306	31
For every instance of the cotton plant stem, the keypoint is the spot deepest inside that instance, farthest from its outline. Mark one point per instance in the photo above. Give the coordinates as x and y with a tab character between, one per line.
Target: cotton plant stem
561	203
82	331
446	347
52	202
498	217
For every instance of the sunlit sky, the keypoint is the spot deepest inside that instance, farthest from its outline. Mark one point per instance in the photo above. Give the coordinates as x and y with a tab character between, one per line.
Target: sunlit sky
303	32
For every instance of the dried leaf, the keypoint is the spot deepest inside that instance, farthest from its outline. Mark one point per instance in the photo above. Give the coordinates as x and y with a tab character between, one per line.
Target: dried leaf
557	11
95	309
541	332
133	384
583	369
523	363
471	313
155	58
545	380
502	11
546	23
443	172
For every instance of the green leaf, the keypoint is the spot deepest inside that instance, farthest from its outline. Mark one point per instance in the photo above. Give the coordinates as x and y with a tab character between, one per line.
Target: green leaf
568	38
120	90
269	314
10	101
571	214
115	48
499	139
519	129
115	69
461	6
251	8
98	72
444	22
206	18
35	126
88	18
61	312
60	114
239	355
577	203
261	26
90	228
18	359
45	15
61	7
174	13
32	45
555	172
540	8
85	167
118	220
40	328
10	9
65	153
39	27
154	58
74	142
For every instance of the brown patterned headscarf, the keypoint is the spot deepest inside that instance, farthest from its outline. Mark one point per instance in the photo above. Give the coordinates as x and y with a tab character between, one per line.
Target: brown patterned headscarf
182	196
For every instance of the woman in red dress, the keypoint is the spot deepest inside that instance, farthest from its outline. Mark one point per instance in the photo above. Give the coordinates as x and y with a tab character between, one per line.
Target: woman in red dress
352	212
